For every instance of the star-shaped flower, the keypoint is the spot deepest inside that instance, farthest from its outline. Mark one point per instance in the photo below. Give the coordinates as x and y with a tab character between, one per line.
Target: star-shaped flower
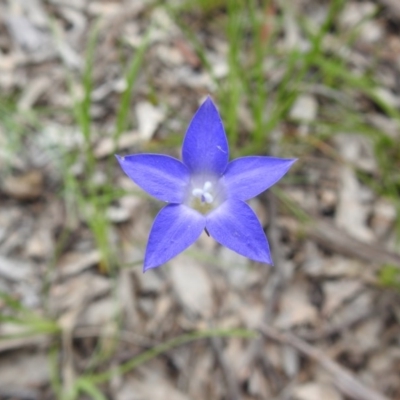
205	191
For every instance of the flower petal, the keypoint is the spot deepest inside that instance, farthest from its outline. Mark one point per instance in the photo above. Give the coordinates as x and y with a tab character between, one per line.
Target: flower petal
205	147
235	225
175	228
247	177
163	177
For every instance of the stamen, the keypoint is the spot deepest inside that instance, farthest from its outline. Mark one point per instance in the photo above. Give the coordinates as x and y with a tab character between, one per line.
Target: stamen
197	192
208	197
207	186
203	194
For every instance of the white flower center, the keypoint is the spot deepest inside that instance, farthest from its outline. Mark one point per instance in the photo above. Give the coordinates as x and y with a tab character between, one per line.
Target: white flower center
204	194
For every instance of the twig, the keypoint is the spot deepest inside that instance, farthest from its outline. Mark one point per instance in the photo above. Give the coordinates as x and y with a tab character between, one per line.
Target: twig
19	342
343	379
258	354
337	240
67	323
231	383
312	335
329	236
277	282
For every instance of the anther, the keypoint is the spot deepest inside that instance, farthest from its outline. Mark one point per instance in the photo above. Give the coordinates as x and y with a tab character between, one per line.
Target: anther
203	194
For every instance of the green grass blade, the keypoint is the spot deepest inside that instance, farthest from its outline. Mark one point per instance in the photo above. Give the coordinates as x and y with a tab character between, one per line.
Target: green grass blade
131	75
85	385
164	347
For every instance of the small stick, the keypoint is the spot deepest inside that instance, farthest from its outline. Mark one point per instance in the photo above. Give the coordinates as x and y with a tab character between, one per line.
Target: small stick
335	239
231	383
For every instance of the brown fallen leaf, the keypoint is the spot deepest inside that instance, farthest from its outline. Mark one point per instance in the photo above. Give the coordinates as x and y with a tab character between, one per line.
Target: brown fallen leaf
24	369
192	285
150	386
28	186
316	391
295	308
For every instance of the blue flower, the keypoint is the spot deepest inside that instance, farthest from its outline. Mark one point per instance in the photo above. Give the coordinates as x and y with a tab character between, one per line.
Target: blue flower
205	192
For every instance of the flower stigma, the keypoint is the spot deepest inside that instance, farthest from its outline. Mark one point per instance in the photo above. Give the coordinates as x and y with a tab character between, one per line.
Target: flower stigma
204	195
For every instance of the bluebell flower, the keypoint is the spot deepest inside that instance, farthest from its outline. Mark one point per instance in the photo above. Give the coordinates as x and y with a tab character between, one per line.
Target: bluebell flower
205	192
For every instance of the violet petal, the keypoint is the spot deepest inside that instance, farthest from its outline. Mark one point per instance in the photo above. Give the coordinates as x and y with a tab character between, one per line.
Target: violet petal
205	147
163	177
235	225
247	177
175	228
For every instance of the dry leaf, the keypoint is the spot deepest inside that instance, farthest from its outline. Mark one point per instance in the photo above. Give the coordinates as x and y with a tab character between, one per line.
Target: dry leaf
149	118
23	370
316	391
151	386
15	270
192	285
76	262
304	109
337	292
351	214
28	186
295	308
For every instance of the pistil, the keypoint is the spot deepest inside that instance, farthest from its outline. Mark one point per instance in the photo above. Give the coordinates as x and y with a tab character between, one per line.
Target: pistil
204	194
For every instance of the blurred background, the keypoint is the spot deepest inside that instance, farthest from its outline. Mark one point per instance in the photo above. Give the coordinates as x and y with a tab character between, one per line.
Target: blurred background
81	80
